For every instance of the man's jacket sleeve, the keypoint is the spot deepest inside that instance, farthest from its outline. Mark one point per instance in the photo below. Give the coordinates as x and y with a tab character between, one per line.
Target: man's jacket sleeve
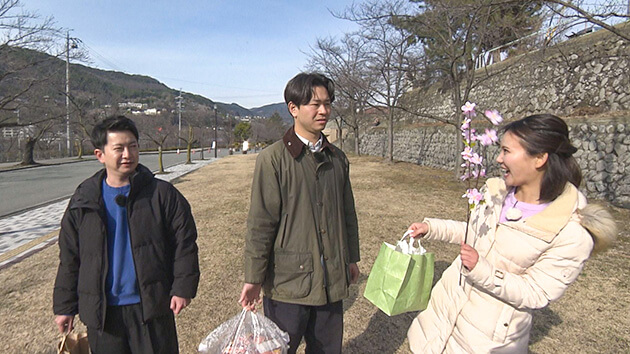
65	296
352	224
186	259
263	219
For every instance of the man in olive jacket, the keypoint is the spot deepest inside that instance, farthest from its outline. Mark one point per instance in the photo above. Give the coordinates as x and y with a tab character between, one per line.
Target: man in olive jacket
127	250
302	244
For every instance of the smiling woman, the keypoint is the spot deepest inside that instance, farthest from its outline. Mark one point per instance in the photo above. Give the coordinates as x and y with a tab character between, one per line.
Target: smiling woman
526	244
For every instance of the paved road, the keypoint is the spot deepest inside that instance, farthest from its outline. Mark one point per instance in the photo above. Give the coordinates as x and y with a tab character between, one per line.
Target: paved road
25	233
27	188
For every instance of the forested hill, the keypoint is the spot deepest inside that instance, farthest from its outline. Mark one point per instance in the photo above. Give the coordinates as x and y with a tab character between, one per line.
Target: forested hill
102	87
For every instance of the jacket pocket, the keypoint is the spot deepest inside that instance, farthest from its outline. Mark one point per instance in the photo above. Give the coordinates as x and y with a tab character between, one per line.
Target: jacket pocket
504	322
292	274
282	230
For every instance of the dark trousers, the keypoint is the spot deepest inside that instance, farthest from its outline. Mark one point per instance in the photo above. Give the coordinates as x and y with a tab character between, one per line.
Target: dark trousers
321	326
124	333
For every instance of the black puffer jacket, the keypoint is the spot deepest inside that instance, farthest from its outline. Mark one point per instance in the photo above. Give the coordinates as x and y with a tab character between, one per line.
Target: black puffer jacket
163	242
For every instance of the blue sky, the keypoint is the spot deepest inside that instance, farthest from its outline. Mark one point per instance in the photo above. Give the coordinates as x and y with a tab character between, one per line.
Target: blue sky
241	51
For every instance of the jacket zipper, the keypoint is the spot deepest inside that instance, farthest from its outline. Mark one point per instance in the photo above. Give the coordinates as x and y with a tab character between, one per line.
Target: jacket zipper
104	265
135	266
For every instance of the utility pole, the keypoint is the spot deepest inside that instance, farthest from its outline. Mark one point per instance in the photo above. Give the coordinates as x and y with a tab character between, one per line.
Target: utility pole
179	114
216	127
68	94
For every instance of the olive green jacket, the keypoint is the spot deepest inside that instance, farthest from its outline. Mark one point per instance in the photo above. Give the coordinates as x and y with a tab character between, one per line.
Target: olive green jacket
302	224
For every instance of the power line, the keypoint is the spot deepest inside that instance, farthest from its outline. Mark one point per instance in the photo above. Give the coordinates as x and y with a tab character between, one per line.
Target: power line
103	59
212	85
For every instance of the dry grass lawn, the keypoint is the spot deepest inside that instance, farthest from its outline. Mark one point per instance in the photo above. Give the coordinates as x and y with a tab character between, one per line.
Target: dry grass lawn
591	318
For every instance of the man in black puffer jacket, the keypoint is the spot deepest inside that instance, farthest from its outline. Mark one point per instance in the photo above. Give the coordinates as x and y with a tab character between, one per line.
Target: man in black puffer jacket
128	252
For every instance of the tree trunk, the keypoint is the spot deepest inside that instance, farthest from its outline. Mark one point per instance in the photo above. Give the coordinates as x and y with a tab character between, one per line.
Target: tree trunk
79	149
189	146
188	150
27	155
459	143
356	141
160	162
340	136
390	134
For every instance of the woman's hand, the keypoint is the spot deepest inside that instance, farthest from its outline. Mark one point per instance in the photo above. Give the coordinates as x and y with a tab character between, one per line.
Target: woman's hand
419	229
469	256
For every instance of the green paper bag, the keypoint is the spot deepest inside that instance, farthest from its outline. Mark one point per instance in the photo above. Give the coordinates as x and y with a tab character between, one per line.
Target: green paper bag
400	282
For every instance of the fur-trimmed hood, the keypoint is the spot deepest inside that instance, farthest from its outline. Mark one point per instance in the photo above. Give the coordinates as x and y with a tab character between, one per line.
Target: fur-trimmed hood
548	223
600	224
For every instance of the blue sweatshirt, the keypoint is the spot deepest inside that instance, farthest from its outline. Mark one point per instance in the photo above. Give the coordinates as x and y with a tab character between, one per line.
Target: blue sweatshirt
122	287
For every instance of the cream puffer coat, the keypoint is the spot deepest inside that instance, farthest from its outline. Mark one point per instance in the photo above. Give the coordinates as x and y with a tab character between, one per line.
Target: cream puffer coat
523	265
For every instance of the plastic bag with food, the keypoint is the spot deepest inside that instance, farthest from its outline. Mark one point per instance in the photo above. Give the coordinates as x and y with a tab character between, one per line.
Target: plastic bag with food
247	332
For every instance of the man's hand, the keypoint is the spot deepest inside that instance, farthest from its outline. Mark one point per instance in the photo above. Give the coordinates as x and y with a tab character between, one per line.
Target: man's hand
250	296
354	273
64	323
178	304
469	256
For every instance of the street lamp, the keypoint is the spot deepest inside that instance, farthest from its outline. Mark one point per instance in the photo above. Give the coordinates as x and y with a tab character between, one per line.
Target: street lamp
216	143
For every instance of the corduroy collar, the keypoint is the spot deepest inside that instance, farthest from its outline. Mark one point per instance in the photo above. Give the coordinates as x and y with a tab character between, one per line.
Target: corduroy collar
296	146
549	222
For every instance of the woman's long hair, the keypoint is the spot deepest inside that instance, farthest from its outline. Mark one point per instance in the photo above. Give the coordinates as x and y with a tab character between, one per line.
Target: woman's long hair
546	133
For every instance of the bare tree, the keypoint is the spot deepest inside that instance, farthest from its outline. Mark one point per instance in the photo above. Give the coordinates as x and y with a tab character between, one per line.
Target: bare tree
600	14
30	47
21	30
455	34
47	114
346	62
265	131
390	56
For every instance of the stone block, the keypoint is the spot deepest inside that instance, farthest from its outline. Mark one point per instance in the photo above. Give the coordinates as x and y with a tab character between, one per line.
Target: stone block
599	176
612	167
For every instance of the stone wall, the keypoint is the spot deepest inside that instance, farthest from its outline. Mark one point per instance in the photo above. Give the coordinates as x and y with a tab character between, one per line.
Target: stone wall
603	152
585	75
584	80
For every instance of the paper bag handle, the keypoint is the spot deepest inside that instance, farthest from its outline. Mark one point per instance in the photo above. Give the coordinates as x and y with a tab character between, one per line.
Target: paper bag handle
406	235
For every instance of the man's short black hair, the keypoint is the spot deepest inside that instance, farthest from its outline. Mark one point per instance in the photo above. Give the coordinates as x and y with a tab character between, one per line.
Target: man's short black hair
299	89
112	124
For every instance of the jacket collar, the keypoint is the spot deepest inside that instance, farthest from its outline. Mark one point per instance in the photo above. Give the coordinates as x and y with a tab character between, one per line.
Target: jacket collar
549	222
296	146
89	192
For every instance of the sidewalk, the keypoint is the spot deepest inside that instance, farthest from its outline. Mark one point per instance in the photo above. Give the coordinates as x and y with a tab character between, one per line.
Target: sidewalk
9	166
24	234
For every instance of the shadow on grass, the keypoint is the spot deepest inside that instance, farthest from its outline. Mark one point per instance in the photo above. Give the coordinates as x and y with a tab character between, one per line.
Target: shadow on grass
383	334
543	321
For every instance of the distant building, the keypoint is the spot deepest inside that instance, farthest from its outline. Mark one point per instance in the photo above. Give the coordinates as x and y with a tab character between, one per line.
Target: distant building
131	105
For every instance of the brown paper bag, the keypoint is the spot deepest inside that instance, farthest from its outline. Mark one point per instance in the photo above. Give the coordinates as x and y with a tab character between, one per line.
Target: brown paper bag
74	343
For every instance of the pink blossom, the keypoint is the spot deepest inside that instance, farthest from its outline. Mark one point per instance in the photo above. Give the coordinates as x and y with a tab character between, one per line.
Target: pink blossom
465	124
473	195
476	159
469	108
494	116
467	153
469	135
489	138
